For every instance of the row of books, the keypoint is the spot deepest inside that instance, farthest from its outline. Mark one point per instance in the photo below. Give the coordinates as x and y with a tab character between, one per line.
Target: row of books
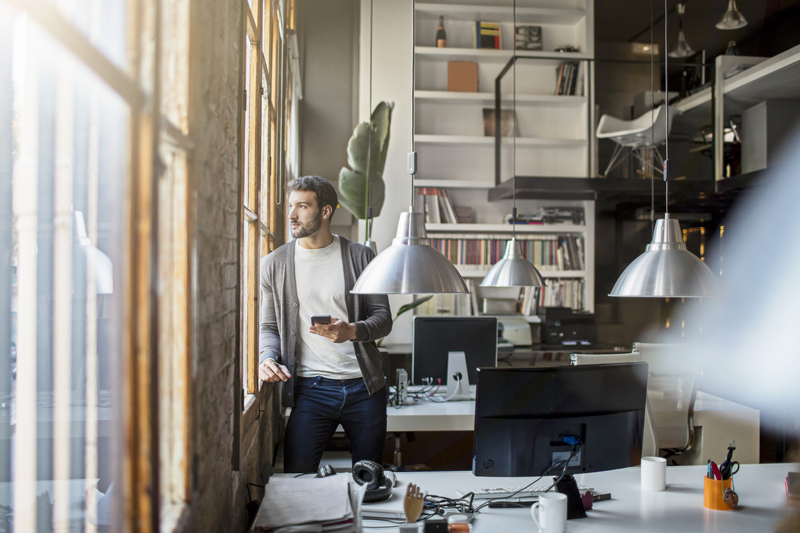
546	252
438	208
569	77
555	293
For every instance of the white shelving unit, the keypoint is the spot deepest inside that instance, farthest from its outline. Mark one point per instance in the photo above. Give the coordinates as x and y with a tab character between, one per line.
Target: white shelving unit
553	133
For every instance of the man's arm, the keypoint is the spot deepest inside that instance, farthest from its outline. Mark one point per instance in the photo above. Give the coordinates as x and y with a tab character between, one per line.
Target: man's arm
269	354
378	323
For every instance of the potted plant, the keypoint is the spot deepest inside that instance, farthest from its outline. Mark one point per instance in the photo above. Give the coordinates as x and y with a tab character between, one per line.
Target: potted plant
362	189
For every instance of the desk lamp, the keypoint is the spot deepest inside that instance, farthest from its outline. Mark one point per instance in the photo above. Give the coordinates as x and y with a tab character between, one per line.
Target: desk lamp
513	270
410	265
666	269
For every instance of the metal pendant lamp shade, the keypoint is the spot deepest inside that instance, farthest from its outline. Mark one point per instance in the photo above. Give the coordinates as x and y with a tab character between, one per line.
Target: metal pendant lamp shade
732	19
681	48
410	265
667	269
513	270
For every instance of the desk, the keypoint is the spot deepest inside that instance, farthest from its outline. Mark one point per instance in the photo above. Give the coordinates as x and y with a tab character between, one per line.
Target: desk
717	422
680	508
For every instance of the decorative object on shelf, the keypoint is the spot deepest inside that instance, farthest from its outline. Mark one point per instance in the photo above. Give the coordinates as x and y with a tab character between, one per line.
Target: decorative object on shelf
462	76
732	49
410	265
441	35
666	269
513	270
681	48
732	19
528	37
507	123
487	35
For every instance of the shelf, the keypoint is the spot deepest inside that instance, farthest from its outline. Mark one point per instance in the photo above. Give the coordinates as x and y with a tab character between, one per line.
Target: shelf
525	15
549	100
454	184
505	228
582	188
499	56
481	272
489	141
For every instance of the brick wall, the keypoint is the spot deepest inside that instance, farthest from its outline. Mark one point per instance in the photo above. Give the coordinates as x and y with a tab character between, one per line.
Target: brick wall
220	491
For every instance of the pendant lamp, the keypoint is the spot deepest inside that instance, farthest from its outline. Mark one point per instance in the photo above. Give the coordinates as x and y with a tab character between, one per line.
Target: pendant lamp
732	19
667	269
410	265
513	270
681	48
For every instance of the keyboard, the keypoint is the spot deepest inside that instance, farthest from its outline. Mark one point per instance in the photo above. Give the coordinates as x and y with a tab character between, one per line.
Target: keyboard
489	493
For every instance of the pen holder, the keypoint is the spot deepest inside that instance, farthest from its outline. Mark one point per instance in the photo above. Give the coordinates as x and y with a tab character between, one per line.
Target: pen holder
712	494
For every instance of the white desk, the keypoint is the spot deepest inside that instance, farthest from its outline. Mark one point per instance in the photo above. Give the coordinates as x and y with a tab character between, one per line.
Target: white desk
680	508
717	422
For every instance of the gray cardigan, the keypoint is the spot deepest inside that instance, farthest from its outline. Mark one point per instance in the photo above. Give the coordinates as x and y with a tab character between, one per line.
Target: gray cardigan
279	313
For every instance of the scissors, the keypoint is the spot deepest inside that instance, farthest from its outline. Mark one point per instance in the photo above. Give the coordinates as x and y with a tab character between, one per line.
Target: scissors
726	468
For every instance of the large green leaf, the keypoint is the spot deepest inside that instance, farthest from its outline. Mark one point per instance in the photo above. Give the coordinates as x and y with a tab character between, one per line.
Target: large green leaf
353	183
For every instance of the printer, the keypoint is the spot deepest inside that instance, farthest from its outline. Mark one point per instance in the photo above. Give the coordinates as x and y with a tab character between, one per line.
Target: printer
514	329
561	325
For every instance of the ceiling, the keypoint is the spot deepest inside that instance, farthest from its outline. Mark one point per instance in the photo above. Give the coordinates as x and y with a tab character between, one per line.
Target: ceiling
771	29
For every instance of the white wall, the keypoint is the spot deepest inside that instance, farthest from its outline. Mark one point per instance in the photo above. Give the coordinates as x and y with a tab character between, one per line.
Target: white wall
391	81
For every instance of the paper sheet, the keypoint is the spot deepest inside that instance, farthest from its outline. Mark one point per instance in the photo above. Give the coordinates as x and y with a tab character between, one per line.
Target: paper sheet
296	501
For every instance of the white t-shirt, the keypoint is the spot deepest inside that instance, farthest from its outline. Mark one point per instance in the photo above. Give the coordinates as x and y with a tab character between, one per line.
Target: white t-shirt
319	275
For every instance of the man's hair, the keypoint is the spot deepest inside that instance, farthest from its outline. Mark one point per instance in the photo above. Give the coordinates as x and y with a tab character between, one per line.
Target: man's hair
326	194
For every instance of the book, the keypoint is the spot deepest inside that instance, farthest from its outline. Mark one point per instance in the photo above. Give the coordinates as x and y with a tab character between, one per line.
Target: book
446	206
507	122
464	214
487	35
432	213
528	37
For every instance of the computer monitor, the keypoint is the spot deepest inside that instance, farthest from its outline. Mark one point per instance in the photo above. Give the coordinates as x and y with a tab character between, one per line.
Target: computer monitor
435	336
522	415
529	419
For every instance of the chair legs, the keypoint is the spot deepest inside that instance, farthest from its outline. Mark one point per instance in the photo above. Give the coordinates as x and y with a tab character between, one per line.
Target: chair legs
615	159
645	155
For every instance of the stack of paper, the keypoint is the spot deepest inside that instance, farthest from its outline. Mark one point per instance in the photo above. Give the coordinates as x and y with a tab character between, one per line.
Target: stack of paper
295	505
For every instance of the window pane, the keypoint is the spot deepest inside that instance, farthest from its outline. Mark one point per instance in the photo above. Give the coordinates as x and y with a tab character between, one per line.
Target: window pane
246	138
63	232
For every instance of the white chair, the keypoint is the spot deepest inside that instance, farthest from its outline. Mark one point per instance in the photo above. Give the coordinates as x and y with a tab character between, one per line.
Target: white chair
671	391
650	441
641	135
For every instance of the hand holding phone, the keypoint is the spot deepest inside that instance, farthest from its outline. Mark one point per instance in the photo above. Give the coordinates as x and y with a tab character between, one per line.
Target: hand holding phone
320	319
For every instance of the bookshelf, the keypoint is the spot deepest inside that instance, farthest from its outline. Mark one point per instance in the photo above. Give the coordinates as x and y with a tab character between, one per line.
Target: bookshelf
553	133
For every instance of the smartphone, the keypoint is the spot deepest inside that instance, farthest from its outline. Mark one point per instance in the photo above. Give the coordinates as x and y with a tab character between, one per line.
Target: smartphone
320	319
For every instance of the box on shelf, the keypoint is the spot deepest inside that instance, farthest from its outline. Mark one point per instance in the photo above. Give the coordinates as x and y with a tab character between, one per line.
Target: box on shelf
462	76
529	37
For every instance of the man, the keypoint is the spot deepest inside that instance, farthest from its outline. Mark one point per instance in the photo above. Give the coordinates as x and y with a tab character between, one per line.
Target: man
331	373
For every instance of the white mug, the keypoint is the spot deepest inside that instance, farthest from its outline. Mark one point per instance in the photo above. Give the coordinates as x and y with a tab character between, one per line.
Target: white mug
552	512
654	473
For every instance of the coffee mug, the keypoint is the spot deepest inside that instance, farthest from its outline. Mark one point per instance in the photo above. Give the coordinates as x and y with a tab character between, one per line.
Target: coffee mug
552	512
654	473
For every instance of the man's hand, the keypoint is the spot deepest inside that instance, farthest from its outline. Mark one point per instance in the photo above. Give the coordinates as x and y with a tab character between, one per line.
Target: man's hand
270	371
337	331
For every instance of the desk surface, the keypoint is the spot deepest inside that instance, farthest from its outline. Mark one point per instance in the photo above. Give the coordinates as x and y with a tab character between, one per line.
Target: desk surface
460	416
680	508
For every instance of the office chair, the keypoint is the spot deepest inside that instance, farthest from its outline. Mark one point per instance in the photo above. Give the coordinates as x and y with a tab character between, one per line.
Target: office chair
642	135
671	391
650	441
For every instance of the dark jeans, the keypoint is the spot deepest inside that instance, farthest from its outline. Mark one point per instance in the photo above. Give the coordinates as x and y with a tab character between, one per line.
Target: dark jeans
320	405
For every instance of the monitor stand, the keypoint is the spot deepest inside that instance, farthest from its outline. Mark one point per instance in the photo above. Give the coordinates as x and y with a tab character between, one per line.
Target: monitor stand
569	487
457	376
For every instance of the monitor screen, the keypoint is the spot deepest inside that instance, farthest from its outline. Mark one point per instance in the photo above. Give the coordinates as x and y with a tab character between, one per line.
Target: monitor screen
435	336
524	418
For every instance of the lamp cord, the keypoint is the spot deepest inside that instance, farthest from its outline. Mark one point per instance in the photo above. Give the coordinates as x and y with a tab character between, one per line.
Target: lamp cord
413	87
666	126
514	141
652	121
368	214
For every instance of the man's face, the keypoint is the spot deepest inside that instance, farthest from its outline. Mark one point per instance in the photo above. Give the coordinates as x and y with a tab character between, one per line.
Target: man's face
305	216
